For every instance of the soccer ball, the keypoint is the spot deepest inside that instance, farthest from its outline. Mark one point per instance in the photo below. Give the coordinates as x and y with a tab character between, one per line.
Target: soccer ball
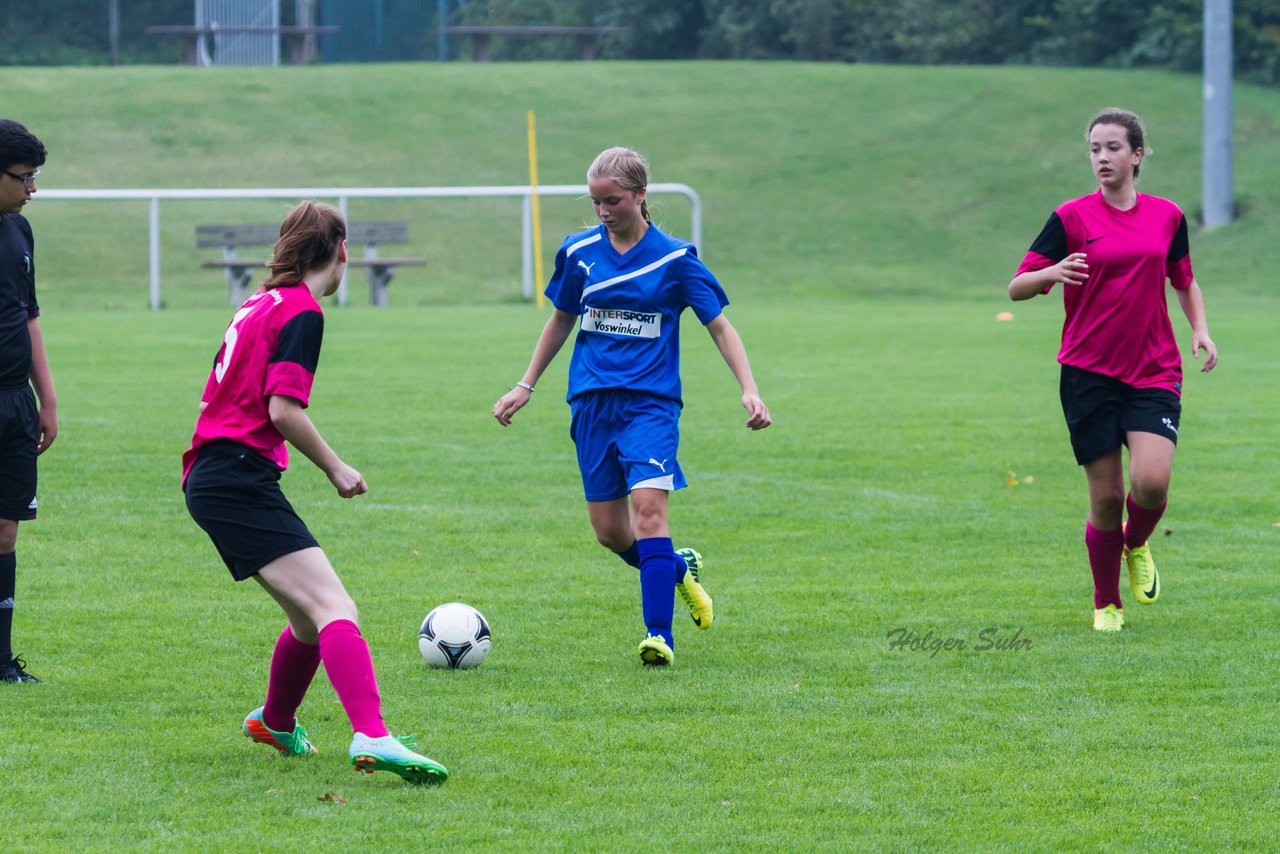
454	636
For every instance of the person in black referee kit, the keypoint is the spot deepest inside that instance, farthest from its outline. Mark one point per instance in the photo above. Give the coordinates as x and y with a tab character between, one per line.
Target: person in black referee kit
28	420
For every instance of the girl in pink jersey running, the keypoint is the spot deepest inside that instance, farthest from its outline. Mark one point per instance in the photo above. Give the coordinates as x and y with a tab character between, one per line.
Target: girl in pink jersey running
1121	370
254	400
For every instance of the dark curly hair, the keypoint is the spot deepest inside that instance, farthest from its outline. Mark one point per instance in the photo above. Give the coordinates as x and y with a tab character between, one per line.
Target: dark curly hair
19	145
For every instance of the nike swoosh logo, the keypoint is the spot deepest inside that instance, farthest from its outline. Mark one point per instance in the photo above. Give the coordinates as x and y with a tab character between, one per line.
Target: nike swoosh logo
1093	239
1155	582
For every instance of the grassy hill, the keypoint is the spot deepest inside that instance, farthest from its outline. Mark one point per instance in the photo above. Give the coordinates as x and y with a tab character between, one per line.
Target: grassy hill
817	180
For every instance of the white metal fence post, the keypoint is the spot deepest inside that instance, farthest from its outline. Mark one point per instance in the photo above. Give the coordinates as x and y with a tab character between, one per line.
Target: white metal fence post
696	223
342	286
526	249
153	251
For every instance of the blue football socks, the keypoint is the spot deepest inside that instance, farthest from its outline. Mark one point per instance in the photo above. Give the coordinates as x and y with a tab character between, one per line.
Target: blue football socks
631	555
659	565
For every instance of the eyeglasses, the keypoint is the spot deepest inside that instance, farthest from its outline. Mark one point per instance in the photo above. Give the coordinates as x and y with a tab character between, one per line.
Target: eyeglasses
28	180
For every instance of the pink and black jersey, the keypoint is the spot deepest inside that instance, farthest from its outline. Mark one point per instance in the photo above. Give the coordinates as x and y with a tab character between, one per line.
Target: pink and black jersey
272	346
1117	323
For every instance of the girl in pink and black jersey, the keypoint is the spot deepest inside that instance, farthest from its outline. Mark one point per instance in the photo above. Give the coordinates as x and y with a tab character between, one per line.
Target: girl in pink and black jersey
1121	381
254	400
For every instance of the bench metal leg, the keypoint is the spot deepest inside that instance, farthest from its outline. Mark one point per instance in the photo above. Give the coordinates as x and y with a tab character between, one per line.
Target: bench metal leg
238	281
379	278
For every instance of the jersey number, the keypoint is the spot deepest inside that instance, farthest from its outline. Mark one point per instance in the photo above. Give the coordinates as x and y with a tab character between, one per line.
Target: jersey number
229	341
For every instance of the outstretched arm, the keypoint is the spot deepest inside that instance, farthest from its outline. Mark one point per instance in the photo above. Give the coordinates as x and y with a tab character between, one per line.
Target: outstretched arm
291	420
729	343
1192	302
554	334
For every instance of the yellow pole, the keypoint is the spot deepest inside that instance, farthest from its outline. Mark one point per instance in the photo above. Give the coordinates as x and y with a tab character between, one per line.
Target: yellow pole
537	219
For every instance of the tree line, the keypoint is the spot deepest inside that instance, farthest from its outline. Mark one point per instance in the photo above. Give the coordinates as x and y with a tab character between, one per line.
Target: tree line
1088	33
1085	33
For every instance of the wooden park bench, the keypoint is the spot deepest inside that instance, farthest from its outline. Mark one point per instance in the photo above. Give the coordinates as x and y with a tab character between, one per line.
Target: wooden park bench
300	39
588	38
241	271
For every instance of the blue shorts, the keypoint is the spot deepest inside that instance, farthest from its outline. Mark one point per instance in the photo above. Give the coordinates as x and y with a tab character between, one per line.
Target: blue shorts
626	441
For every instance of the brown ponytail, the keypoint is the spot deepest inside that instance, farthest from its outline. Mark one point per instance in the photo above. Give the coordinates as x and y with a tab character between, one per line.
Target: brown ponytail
309	239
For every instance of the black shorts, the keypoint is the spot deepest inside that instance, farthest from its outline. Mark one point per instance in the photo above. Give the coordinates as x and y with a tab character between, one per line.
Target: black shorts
1100	411
233	493
19	435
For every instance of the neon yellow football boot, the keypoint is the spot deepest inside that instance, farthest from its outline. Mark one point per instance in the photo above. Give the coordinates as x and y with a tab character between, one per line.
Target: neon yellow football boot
1143	578
692	592
654	652
1108	619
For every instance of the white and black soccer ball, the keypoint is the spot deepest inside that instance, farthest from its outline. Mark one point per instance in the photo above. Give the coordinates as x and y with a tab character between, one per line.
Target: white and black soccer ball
454	636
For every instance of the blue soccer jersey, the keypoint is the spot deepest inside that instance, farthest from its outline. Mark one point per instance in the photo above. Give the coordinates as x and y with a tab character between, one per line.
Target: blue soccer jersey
630	307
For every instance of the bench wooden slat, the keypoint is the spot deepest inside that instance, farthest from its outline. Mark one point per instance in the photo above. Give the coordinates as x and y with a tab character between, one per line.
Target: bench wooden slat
482	30
215	29
377	232
265	234
208	236
586	37
240	272
249	263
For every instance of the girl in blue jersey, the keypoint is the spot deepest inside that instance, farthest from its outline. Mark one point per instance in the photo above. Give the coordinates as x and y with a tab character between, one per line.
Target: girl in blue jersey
627	283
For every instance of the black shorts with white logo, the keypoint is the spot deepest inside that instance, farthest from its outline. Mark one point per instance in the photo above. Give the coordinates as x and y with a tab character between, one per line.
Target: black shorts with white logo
233	493
19	428
1101	411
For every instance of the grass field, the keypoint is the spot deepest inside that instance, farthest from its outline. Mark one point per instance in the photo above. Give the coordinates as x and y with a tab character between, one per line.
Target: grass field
879	501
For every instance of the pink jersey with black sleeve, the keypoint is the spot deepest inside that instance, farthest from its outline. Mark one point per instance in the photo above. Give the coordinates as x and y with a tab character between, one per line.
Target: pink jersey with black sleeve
1117	323
271	346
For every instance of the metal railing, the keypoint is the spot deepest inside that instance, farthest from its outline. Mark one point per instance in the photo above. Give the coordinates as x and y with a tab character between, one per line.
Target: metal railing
343	194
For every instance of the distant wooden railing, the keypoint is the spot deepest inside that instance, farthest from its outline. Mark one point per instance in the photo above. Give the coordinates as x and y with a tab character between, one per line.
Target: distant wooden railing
588	38
300	39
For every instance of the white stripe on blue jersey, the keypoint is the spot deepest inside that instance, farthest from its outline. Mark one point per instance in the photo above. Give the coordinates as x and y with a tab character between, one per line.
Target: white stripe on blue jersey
581	243
634	273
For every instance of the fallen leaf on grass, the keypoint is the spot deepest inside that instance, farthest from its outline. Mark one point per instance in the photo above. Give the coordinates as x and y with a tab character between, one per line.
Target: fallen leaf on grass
1012	479
332	797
